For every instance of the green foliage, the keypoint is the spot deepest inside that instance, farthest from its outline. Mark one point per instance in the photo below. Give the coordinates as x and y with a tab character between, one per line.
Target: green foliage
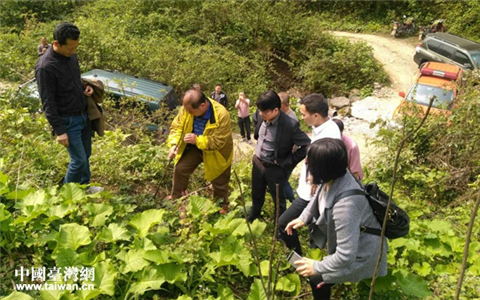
170	42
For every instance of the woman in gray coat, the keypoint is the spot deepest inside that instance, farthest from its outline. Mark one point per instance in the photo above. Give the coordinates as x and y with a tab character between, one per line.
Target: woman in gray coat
352	255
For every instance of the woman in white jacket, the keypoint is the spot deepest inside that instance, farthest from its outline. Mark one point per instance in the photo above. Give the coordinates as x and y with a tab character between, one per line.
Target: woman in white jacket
352	255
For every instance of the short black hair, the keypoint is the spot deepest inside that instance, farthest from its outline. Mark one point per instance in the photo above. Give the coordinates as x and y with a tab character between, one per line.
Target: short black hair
327	160
316	103
218	84
64	31
339	124
194	98
268	101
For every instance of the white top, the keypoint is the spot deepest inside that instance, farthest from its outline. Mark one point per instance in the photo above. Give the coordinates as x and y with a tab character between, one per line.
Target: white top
328	129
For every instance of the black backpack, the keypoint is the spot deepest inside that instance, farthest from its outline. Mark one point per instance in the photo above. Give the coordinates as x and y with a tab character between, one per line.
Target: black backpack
398	222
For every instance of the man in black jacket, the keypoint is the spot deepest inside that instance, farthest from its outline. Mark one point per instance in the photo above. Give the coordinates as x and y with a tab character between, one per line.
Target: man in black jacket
219	96
64	101
273	159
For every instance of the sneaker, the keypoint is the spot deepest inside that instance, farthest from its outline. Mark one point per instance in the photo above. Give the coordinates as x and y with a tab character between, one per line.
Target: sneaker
242	139
249	142
94	189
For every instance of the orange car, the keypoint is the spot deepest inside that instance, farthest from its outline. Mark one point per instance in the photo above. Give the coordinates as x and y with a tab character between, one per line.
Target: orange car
436	79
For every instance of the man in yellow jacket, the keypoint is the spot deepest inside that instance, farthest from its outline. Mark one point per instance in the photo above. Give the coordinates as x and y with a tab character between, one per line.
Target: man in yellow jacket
201	132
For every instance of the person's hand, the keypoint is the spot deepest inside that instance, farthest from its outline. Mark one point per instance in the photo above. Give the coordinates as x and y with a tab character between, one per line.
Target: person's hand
44	50
190	138
63	139
88	91
295	224
172	152
305	267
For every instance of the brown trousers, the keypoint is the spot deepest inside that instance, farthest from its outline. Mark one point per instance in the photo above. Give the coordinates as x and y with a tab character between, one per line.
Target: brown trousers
191	158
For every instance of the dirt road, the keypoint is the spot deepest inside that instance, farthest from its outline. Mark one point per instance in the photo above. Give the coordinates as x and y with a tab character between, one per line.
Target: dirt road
396	55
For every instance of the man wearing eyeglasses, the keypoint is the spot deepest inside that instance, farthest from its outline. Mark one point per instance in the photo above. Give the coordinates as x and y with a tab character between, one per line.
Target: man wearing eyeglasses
273	159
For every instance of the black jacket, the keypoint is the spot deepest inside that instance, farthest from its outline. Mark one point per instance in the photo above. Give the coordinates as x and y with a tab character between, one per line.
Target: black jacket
288	135
223	99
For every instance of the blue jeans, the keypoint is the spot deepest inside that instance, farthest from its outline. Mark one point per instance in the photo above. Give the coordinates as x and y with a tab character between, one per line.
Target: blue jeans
79	133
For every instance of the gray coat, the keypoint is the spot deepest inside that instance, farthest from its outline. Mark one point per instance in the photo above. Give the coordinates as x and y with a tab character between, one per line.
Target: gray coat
352	254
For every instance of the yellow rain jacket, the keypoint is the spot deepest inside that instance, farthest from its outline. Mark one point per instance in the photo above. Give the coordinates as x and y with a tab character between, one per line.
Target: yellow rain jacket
216	142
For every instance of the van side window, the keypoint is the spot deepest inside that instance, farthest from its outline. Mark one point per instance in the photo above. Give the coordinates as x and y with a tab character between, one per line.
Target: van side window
446	50
433	45
461	58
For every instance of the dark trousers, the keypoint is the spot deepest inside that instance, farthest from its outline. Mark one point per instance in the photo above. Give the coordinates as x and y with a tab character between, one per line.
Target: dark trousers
191	158
244	124
322	293
263	176
293	212
288	189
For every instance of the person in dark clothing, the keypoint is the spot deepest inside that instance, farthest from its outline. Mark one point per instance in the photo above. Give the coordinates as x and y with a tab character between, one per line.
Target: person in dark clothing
273	159
219	96
42	48
64	101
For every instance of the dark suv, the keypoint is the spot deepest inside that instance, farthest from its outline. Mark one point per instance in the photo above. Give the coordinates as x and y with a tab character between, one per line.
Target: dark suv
450	49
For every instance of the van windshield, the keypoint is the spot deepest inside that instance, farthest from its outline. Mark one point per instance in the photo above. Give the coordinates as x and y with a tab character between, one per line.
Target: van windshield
476	58
420	93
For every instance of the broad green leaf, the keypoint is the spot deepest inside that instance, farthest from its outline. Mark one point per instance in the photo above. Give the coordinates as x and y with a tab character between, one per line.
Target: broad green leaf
149	280
413	285
258	228
423	270
245	260
33	199
172	272
60	211
73	236
114	232
184	297
148	245
87	294
264	267
66	257
256	291
52	292
384	283
100	212
72	192
105	274
441	227
198	206
18	194
134	261
3	184
6	219
156	256
18	296
239	227
315	254
225	293
144	221
457	244
90	258
285	284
